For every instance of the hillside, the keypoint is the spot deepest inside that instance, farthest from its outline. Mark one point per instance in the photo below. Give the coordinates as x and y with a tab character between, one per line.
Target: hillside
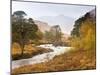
65	22
43	26
91	15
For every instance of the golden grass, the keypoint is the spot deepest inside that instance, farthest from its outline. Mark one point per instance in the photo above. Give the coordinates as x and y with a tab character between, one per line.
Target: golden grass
76	60
16	48
29	51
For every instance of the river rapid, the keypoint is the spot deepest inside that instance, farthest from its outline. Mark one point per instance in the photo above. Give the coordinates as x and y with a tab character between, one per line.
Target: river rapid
41	57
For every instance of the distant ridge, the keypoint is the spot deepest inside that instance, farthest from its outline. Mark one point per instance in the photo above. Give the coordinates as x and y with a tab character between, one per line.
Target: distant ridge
43	26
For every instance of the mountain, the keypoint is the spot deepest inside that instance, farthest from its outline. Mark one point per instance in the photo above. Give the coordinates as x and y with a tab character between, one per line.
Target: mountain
43	26
63	21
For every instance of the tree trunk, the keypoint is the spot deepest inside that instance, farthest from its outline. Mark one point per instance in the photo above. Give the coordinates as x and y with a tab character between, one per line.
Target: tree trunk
22	46
22	49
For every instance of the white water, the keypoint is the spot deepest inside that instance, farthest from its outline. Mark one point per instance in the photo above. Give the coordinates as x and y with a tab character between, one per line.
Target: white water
42	57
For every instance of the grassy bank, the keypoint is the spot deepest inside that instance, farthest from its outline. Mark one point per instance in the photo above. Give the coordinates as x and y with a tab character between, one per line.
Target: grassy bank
74	60
29	51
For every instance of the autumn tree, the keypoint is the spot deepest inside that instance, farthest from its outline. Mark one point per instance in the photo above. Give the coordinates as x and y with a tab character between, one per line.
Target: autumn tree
23	29
56	34
86	34
75	32
48	37
53	35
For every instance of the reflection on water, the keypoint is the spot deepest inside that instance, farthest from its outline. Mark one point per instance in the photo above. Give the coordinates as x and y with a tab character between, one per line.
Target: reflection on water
42	57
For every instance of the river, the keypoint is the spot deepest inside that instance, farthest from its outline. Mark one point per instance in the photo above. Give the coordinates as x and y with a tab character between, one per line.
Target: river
42	57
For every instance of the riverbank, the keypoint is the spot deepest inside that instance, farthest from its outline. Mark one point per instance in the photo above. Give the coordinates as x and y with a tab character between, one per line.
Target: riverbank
29	51
74	60
41	57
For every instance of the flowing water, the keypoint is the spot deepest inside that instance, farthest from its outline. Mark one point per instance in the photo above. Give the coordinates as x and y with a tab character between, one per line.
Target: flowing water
42	57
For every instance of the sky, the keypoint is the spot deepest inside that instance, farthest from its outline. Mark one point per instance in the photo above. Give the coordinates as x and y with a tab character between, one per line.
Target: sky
37	10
